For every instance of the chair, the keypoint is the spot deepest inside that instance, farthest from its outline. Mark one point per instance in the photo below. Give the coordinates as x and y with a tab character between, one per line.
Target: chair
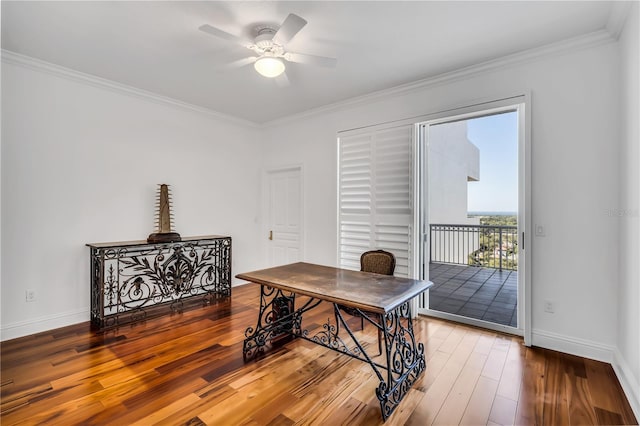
378	262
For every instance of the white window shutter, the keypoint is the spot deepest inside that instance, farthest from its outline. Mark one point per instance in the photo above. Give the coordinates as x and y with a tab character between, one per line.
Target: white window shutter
375	195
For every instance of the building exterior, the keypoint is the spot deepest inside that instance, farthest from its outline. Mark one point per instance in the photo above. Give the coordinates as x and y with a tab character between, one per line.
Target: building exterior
453	162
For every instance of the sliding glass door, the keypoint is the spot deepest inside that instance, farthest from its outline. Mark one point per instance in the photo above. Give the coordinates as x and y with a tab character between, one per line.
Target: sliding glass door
471	220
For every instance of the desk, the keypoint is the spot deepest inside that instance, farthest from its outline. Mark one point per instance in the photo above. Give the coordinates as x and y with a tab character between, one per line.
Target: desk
384	301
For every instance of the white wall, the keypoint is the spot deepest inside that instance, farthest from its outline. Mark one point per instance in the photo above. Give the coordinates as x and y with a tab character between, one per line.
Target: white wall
628	211
80	164
1	133
575	159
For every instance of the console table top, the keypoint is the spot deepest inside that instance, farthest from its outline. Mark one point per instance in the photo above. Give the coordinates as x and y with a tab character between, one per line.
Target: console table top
145	243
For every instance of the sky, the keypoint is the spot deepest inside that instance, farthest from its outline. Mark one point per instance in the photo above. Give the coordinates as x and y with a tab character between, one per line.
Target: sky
496	137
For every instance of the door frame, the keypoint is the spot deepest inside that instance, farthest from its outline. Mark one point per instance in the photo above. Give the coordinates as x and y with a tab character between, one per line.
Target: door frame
266	207
522	105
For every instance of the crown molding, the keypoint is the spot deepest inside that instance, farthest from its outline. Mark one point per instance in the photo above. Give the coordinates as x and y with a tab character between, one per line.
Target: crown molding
585	41
618	17
576	43
29	62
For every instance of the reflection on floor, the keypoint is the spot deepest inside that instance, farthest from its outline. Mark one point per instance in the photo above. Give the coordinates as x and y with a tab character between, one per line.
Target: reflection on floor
481	293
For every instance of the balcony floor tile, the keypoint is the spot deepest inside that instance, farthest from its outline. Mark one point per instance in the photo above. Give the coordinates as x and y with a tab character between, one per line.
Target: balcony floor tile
482	293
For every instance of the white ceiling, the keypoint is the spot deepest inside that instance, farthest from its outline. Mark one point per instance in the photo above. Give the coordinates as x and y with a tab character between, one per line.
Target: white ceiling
156	46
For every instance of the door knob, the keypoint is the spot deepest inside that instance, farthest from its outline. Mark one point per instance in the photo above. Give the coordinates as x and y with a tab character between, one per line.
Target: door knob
271	235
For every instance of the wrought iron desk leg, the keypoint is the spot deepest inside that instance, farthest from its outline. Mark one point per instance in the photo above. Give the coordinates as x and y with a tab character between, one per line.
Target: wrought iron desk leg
405	359
277	317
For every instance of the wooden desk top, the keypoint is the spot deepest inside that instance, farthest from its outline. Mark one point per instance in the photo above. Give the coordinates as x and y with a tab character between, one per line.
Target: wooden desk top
364	290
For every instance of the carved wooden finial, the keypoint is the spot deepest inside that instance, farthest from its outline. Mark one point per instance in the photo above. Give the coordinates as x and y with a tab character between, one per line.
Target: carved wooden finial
165	232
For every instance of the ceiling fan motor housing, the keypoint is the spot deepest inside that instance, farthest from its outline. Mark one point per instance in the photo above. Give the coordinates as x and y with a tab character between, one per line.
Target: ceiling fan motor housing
264	44
264	39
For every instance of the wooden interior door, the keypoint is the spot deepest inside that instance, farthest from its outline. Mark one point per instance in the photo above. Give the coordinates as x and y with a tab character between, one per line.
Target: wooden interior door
285	216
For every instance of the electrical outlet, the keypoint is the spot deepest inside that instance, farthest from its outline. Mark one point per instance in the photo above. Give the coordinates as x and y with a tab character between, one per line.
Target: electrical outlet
30	295
549	307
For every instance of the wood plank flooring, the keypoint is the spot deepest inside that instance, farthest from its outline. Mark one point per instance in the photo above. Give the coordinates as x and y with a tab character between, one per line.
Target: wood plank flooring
187	369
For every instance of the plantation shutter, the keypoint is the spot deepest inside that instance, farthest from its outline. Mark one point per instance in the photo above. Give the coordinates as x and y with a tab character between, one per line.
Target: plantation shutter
375	195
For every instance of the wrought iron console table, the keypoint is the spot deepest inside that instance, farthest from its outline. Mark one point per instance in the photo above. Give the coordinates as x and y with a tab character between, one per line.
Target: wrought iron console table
382	300
134	280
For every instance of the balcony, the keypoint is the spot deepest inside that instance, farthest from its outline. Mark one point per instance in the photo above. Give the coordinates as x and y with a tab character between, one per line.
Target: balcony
474	269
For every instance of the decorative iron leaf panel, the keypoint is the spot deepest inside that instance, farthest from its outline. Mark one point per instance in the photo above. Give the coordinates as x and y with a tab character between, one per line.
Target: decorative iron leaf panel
135	280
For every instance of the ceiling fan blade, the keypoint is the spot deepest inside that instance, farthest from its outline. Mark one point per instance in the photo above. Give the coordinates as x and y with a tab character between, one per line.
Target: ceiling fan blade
224	35
289	28
241	62
302	58
282	80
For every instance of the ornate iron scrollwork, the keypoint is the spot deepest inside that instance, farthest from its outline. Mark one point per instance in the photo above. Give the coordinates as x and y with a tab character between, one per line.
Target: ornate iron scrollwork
405	358
277	318
330	338
129	280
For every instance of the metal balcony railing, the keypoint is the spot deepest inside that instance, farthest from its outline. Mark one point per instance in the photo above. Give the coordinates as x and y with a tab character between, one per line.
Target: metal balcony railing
491	246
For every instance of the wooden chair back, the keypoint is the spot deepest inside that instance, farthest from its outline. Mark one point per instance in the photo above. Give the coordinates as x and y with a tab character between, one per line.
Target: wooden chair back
378	261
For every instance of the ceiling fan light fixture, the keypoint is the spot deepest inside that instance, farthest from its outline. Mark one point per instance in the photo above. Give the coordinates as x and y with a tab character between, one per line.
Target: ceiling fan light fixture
269	66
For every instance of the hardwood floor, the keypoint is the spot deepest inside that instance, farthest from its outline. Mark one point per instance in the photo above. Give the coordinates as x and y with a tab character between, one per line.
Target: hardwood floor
188	369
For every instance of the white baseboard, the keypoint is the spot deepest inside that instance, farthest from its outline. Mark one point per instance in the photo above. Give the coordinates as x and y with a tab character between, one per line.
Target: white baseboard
572	345
629	384
45	323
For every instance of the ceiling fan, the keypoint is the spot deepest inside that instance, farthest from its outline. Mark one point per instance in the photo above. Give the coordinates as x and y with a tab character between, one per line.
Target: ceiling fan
269	46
